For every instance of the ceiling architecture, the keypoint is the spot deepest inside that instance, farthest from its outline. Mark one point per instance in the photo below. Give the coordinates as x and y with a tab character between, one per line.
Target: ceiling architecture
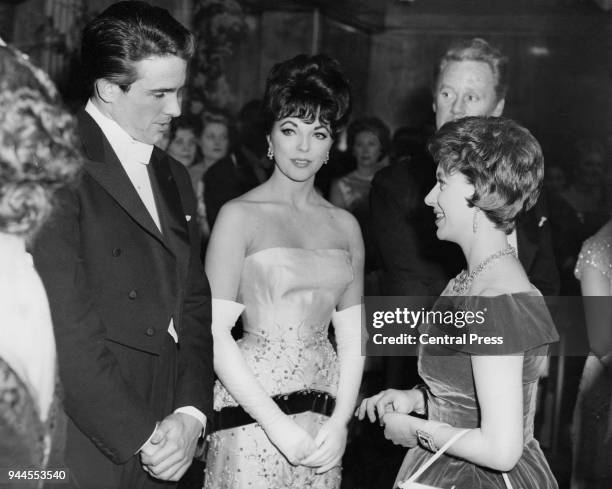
382	15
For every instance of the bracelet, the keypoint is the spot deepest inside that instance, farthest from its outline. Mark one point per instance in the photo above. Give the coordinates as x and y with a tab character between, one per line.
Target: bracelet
425	436
423	389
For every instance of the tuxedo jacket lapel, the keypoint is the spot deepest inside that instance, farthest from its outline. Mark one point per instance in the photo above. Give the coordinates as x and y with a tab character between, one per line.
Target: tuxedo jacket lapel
168	195
170	208
104	166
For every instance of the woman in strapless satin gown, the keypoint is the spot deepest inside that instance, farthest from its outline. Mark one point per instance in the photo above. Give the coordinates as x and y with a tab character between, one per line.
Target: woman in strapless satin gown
288	262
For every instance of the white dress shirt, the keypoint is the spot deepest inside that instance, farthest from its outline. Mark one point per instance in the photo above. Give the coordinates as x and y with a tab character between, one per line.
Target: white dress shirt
134	156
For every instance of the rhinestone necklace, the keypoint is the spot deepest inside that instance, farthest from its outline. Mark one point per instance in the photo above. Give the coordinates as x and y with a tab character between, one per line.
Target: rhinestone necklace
464	280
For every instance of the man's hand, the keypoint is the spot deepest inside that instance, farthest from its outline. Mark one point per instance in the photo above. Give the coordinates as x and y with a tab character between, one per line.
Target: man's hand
169	452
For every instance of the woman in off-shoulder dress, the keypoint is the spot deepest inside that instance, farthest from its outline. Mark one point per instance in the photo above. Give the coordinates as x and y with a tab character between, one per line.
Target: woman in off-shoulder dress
288	262
592	464
489	170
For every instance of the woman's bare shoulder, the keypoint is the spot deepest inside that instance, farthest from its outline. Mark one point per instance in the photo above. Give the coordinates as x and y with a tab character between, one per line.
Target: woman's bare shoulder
343	218
247	204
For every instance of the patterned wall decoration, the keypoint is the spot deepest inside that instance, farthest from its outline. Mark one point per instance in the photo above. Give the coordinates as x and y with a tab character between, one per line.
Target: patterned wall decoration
219	26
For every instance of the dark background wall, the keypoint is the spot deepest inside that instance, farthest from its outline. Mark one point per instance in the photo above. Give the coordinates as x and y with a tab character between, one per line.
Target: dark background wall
560	61
560	80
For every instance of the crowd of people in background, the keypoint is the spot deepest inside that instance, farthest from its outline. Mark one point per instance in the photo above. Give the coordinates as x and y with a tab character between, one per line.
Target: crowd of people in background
154	233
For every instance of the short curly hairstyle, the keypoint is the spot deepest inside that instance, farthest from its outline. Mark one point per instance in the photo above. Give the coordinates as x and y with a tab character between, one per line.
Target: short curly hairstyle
476	49
307	87
38	145
499	157
373	125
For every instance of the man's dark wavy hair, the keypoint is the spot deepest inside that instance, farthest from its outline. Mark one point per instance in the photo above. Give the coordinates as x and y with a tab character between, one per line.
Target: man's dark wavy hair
128	32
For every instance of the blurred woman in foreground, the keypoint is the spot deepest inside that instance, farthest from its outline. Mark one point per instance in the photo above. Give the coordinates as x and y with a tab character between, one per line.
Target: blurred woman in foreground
38	156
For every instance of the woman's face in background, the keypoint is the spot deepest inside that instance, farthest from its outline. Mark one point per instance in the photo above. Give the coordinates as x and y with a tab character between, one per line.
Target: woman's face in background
366	149
554	179
183	147
215	141
590	170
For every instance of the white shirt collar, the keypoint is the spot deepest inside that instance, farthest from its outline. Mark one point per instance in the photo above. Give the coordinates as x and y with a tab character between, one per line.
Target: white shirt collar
125	146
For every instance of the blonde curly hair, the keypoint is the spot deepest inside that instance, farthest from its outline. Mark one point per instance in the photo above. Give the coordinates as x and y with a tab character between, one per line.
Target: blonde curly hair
39	151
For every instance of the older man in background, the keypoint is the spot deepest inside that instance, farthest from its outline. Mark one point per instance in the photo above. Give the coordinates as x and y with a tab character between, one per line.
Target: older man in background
470	80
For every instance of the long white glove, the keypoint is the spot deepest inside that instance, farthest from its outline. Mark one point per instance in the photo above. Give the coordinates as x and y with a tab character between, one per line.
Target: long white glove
292	440
331	438
347	326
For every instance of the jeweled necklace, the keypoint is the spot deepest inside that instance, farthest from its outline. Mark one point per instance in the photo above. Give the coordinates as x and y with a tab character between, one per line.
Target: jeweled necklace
464	280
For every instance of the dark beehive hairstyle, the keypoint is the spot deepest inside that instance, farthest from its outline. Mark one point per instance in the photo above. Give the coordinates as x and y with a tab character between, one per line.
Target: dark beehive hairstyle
307	87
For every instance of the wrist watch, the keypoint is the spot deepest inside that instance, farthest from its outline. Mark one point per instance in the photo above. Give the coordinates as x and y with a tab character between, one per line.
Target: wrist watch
426	440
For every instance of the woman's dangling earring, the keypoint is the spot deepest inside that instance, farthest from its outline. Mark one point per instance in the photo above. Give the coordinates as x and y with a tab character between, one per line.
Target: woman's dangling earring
326	159
475	220
270	152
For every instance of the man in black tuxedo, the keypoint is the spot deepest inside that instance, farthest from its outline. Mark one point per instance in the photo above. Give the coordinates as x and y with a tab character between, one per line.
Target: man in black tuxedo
470	80
120	262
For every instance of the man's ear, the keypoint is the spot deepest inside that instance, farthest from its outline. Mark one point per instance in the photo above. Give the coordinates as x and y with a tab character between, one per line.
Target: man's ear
499	108
106	91
433	106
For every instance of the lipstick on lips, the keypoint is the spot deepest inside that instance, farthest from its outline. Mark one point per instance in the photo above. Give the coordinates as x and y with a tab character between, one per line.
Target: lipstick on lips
301	163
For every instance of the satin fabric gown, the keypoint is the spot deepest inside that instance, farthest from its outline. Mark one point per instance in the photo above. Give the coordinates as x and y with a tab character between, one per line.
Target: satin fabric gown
289	294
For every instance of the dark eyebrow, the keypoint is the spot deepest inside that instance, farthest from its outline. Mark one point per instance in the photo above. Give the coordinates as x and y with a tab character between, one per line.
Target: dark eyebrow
162	90
289	122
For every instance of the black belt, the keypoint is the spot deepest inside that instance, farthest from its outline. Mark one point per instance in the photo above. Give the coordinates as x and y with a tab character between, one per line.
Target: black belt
292	403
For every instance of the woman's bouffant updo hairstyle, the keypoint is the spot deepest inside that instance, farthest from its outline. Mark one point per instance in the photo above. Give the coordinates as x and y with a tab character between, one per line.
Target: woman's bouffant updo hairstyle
307	87
499	157
38	145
